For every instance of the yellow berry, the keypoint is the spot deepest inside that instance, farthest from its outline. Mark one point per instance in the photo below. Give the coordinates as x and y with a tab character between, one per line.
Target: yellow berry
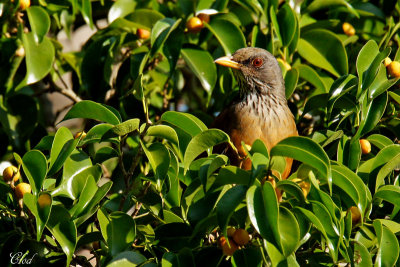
394	69
194	25
365	146
79	134
387	61
143	34
241	237
44	200
10	173
355	214
227	249
348	29
24	4
21	189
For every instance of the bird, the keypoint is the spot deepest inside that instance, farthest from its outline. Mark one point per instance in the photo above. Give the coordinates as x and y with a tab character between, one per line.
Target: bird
260	110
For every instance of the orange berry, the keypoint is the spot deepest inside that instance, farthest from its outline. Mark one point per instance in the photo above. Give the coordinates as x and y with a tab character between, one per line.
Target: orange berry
355	214
194	25
394	69
24	4
21	189
204	17
79	134
44	200
241	237
227	249
10	173
348	29
143	34
365	146
231	231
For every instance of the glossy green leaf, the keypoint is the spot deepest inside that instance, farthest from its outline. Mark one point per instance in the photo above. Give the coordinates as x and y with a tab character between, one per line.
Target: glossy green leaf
201	142
380	141
165	132
227	204
63	145
381	83
389	193
39	57
291	79
120	9
75	163
126	127
289	231
64	230
388	246
361	255
144	18
127	259
324	49
96	133
34	164
121	232
228	34
368	63
248	257
371	112
311	76
91	110
287	24
395	97
86	10
160	33
292	189
185	121
304	150
322	4
159	159
39	21
40	211
202	65
232	175
392	164
88	191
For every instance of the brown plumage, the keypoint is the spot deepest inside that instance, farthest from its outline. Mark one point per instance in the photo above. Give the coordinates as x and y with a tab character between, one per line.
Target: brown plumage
260	111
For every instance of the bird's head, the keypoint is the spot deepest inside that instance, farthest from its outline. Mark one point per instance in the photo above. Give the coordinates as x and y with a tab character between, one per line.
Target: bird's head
256	70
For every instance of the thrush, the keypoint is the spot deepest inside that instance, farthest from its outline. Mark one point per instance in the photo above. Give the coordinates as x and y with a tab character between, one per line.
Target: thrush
260	111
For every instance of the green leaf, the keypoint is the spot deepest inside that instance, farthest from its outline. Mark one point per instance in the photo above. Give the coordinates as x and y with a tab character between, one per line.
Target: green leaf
86	10
159	159
160	33
165	132
384	156
64	230
228	34
388	246
381	83
144	18
371	112
201	142
88	192
185	121
127	259
361	255
380	141
324	4
39	57
324	49
63	145
247	257
304	150
227	204
389	193
121	232
39	21
287	24
392	164
120	9
75	163
202	65
40	211
91	110
289	231
291	79
34	164
310	75
126	127
95	135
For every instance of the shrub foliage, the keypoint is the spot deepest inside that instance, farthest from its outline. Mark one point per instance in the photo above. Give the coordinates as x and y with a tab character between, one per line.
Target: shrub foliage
143	186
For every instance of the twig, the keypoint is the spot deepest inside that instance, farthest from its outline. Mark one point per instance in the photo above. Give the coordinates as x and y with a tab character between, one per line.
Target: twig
64	91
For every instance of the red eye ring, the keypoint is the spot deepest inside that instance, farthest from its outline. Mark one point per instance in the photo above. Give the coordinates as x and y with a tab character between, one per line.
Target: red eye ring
257	62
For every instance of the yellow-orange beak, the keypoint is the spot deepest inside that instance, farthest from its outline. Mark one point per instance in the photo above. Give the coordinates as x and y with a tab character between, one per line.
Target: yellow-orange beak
228	62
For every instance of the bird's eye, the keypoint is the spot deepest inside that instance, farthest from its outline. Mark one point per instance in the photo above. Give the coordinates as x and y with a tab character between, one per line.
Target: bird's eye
257	62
